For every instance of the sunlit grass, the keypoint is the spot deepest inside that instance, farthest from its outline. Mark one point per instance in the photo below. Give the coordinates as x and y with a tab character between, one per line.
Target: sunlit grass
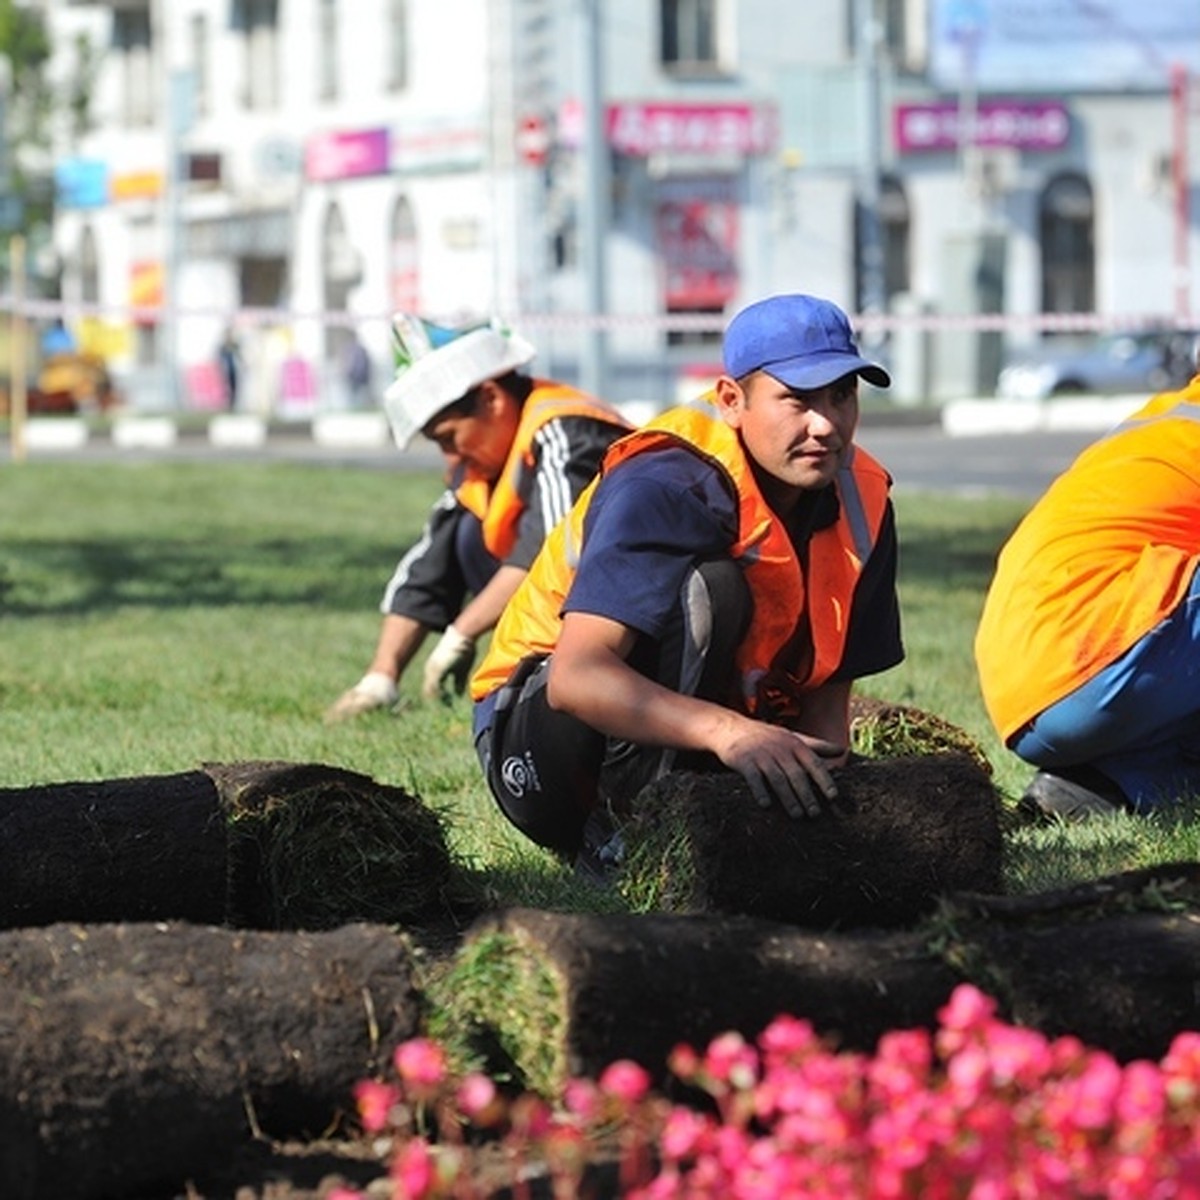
154	618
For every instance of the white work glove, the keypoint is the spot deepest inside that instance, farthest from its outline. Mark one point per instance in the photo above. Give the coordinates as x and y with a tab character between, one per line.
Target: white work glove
374	690
451	659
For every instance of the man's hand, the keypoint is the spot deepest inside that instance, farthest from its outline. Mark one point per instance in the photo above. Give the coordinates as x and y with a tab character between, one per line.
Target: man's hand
373	691
781	765
451	660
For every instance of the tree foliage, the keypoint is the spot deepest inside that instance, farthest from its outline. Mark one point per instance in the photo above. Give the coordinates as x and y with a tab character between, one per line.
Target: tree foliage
29	108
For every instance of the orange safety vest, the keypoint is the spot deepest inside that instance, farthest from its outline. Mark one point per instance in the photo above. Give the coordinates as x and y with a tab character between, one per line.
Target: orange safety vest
770	675
499	505
1105	555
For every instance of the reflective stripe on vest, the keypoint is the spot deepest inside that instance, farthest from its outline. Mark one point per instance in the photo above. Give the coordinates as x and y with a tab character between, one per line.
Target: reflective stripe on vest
771	675
775	661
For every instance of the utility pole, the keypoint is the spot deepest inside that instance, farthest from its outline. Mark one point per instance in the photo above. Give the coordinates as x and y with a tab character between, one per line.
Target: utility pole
1180	108
594	210
872	281
181	100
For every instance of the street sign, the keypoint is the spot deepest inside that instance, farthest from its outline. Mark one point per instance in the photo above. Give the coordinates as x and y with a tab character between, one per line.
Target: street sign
533	141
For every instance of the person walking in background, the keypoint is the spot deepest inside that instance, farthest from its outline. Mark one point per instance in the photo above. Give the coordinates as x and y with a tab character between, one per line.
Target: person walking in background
518	451
709	601
229	360
1088	648
358	374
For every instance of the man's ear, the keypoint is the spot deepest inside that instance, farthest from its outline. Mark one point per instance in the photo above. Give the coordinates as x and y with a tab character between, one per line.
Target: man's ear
492	397
730	399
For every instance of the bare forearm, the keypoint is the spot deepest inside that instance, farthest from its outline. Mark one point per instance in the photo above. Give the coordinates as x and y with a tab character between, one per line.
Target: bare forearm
484	610
399	640
616	700
590	679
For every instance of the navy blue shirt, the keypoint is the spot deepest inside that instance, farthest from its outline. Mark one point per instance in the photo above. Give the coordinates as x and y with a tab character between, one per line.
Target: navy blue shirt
658	514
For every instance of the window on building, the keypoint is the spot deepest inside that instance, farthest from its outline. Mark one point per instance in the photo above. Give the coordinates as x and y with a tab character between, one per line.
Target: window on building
327	50
901	27
200	61
258	22
131	39
690	40
1067	237
893	217
397	44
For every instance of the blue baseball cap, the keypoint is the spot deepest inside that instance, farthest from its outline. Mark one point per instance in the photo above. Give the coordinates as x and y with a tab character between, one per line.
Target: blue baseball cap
802	341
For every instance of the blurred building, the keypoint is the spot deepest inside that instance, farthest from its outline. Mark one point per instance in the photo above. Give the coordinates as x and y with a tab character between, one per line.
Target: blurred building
300	168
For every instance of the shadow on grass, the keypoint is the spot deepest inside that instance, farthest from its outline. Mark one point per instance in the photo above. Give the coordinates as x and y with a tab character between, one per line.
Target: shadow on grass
58	578
959	555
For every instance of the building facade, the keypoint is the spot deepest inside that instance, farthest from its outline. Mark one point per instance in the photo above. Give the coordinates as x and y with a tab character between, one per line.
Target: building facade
294	170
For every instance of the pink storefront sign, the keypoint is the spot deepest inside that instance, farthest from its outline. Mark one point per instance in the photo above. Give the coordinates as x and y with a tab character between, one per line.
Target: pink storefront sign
641	130
346	155
1019	125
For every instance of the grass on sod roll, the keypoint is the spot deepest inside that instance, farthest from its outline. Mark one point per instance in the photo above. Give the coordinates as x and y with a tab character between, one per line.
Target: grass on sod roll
156	617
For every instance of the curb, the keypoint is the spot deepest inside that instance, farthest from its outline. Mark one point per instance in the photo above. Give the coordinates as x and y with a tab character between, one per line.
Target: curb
963	418
369	430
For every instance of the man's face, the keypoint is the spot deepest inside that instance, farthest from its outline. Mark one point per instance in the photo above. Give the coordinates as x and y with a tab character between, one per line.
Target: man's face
481	438
798	438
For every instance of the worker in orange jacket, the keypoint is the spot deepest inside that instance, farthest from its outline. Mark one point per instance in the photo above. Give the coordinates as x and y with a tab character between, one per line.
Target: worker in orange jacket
1088	648
518	450
708	602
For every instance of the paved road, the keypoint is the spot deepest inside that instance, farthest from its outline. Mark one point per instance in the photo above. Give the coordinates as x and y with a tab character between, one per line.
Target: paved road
919	457
1020	464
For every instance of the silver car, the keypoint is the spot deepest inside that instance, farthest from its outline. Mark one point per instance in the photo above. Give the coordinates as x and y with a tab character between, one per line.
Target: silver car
1137	361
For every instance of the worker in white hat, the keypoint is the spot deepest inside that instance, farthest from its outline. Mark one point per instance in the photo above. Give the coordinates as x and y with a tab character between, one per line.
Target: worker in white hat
518	451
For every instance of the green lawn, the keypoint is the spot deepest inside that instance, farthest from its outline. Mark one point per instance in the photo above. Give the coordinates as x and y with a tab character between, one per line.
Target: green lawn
156	617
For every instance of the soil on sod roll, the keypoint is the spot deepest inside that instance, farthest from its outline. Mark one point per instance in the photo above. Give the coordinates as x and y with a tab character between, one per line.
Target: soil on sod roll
137	1058
901	833
570	993
264	845
148	848
543	996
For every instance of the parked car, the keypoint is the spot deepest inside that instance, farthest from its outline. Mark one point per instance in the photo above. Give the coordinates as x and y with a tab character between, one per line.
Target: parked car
1146	360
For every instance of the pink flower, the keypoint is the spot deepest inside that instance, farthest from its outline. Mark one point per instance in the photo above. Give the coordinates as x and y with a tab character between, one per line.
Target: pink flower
967	1008
624	1081
1096	1091
421	1064
787	1039
1017	1056
684	1133
1142	1098
414	1171
582	1099
344	1193
683	1062
375	1101
730	1061
968	1072
1181	1068
479	1101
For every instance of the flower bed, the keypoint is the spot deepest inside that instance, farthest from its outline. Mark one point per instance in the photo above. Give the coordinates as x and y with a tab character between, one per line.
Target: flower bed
978	1109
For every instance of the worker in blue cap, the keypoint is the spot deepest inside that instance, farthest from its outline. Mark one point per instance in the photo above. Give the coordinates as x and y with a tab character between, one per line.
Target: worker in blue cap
709	601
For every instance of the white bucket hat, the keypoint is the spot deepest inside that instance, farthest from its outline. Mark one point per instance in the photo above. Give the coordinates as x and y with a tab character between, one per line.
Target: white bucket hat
436	365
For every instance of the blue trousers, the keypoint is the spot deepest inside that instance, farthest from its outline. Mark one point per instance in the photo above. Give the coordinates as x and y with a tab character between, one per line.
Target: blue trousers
1138	720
